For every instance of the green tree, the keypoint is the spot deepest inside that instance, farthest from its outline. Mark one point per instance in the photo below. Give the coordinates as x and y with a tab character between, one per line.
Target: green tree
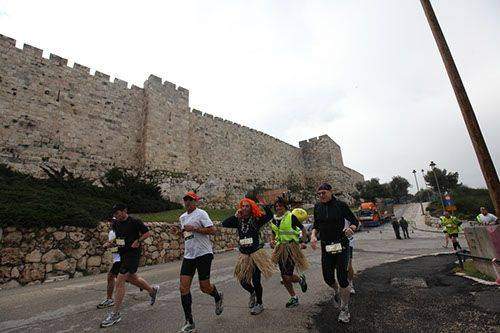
447	180
424	195
398	188
371	189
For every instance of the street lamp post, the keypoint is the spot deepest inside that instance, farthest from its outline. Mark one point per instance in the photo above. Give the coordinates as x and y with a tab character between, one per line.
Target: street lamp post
433	166
426	186
418	189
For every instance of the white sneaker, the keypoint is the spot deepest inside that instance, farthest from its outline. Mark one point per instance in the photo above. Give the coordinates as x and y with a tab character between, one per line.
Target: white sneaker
344	315
258	308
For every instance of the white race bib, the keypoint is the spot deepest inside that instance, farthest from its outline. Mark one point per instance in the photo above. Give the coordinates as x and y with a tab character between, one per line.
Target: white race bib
246	241
188	235
334	248
120	242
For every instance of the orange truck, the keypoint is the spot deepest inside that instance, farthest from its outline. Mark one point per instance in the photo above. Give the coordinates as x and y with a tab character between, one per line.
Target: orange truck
369	215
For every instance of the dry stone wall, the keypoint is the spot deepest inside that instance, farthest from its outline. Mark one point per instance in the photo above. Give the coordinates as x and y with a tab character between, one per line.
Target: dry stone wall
58	115
30	256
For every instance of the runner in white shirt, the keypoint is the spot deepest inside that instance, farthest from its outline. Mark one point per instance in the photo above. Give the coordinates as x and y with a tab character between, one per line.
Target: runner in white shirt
196	227
115	269
486	218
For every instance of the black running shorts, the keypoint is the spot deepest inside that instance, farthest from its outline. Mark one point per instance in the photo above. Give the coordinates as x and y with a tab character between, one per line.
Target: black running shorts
129	262
201	264
454	235
287	268
115	269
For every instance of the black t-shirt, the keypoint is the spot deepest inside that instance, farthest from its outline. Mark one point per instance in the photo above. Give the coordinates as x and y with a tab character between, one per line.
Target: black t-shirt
249	228
329	220
129	230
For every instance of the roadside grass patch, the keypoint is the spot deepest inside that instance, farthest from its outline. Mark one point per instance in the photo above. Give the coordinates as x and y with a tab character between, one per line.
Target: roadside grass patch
470	270
172	216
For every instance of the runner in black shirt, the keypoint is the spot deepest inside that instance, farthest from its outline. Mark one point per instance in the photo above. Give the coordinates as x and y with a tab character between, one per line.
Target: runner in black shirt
253	260
329	221
130	232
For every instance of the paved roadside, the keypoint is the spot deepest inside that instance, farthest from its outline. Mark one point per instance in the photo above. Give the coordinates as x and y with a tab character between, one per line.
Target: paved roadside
70	306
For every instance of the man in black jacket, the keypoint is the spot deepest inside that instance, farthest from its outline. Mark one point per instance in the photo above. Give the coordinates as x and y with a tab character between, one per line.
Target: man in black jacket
329	220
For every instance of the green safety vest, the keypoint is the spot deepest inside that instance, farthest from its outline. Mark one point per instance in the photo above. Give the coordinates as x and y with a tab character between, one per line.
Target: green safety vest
451	224
285	233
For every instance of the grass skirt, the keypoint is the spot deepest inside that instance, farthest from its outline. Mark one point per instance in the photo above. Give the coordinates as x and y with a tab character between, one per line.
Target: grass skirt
286	251
246	264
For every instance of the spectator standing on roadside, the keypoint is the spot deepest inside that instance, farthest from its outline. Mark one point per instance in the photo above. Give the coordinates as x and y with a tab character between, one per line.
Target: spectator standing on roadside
395	226
404	226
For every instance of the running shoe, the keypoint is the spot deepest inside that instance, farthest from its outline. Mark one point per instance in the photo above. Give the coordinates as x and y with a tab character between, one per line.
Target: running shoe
187	327
303	283
292	302
253	300
219	306
153	295
258	308
344	315
352	290
106	304
111	319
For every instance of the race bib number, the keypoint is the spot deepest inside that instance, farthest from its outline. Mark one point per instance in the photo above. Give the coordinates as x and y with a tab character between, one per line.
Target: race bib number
334	248
188	235
114	249
120	242
246	241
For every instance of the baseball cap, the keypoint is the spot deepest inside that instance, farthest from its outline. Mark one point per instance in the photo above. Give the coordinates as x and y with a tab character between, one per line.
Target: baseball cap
325	187
191	195
118	206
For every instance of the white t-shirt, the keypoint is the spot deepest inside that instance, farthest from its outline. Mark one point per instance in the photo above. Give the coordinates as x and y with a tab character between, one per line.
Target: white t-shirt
487	219
196	244
112	236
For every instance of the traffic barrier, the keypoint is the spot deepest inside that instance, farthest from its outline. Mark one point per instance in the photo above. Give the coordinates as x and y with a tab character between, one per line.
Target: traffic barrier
484	242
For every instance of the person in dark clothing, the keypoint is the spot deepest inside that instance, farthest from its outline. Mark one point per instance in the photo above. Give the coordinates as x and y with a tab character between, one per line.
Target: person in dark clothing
330	215
404	226
253	260
395	226
130	232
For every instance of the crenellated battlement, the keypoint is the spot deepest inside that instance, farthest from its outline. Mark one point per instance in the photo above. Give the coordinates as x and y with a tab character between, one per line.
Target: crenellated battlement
89	121
9	45
166	86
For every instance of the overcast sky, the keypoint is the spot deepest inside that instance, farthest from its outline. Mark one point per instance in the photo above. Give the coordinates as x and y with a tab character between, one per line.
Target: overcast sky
367	73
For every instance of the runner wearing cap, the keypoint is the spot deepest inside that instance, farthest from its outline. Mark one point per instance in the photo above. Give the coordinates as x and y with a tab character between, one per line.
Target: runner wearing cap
196	227
130	232
287	254
253	260
329	216
115	268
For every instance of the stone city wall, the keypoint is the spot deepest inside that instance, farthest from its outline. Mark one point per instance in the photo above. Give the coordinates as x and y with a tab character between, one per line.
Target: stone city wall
57	115
30	256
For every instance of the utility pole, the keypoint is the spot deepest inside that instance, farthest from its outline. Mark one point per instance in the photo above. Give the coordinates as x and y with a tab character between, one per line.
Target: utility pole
418	189
487	167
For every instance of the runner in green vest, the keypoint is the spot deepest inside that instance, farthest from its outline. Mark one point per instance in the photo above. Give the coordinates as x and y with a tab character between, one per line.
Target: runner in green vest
286	228
451	226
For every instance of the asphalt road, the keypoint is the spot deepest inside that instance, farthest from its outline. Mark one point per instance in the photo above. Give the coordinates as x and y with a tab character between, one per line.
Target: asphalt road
70	306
